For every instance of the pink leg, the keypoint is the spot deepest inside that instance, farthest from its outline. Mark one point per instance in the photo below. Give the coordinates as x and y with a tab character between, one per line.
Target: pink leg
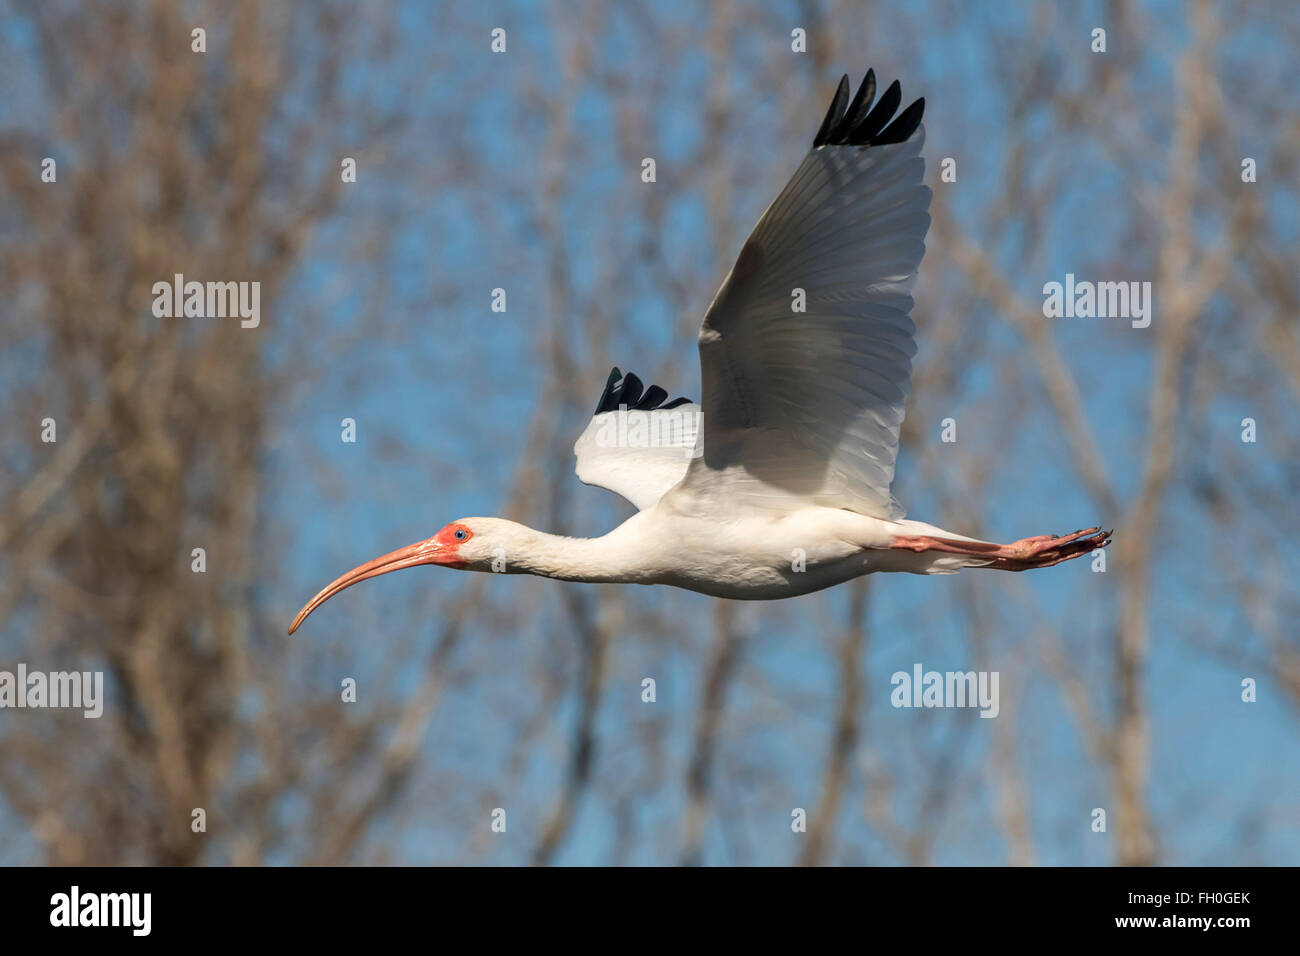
1040	551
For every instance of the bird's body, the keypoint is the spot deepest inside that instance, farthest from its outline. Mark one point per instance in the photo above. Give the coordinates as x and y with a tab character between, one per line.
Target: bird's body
687	543
778	483
715	546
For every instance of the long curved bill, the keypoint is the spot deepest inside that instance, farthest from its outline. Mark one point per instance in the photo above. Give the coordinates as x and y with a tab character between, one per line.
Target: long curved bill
429	551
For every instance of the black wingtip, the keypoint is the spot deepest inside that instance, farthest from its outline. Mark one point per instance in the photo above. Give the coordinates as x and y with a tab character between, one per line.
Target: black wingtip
861	124
859	108
654	397
625	391
901	129
614	376
835	113
876	120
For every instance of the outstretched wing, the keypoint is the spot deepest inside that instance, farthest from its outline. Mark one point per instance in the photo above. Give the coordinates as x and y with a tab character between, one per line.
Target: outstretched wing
637	445
806	350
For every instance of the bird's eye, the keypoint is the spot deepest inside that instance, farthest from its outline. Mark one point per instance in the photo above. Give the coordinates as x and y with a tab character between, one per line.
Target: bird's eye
461	534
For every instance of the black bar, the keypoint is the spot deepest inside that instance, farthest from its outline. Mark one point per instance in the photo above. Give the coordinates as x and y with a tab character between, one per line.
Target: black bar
330	906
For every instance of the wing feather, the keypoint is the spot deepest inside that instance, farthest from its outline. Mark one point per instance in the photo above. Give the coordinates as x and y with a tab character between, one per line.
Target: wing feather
637	445
810	403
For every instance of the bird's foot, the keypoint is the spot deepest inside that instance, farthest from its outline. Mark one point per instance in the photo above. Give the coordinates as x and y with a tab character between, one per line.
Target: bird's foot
1040	551
1045	550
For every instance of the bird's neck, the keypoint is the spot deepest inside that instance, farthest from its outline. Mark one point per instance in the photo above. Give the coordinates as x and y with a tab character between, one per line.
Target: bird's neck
611	557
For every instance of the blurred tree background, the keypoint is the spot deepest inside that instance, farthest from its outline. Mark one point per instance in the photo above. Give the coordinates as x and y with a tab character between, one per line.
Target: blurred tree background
520	170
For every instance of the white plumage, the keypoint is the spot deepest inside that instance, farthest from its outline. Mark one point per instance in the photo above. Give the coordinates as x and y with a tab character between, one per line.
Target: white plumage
639	454
778	482
810	401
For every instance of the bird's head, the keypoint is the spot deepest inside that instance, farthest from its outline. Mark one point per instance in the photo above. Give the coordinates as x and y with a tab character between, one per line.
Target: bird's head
468	544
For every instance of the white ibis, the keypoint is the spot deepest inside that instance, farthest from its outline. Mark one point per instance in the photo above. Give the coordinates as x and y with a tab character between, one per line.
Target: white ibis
777	484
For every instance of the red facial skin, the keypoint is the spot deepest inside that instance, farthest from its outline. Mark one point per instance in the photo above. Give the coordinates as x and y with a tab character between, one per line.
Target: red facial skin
443	548
447	538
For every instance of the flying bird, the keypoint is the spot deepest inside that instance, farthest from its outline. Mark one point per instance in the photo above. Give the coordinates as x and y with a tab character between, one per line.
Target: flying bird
778	482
